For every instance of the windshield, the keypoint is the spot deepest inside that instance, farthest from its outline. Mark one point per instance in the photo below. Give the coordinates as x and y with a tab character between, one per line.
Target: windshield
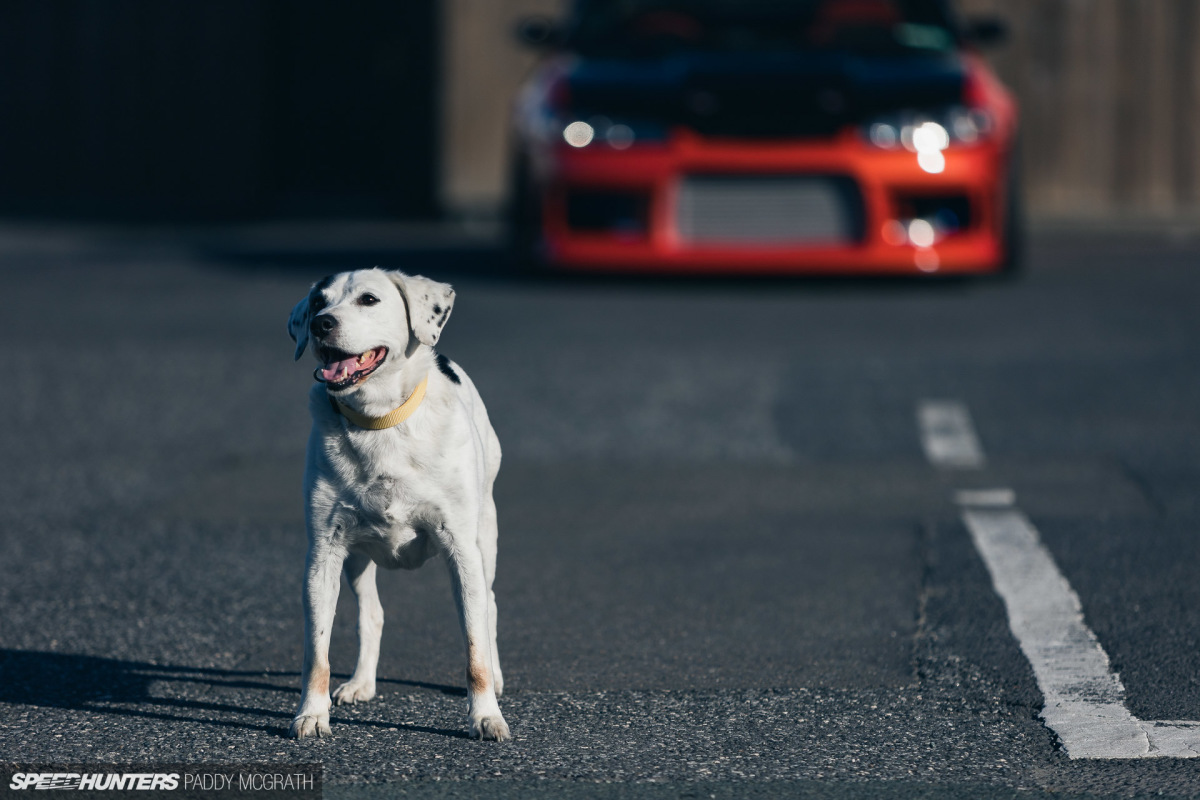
655	28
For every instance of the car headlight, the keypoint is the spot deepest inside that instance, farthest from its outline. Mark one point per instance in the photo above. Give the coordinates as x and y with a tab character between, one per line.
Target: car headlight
922	132
619	135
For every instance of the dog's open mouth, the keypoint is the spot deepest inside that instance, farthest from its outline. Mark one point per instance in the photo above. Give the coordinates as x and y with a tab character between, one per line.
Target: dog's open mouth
343	370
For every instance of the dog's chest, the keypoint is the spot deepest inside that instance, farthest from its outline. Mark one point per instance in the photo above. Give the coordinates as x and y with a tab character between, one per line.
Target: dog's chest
382	502
385	486
383	518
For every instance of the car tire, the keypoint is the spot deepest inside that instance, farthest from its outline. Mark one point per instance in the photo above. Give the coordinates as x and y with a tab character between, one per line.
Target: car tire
524	218
1012	265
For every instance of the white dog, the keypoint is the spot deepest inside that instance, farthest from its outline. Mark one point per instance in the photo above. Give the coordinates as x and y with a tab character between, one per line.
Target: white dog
400	468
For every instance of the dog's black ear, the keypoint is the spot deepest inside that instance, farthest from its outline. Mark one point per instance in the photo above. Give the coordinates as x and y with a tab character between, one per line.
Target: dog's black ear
298	324
429	305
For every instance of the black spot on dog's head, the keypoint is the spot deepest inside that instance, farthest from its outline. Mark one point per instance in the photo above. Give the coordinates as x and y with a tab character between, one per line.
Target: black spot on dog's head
443	365
316	297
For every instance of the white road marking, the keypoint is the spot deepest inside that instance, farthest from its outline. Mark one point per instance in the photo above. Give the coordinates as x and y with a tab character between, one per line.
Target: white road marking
985	498
948	436
1084	698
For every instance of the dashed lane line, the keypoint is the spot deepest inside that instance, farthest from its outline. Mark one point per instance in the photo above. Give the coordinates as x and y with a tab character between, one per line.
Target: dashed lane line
947	434
1084	697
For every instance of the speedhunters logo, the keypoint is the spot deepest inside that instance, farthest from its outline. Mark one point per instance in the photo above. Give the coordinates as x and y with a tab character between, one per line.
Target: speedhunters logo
175	781
96	781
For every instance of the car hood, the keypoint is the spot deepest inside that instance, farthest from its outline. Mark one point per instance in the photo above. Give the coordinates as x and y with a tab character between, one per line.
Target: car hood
763	95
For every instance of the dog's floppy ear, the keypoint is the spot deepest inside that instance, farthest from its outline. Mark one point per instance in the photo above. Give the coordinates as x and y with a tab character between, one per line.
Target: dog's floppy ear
429	305
302	315
298	324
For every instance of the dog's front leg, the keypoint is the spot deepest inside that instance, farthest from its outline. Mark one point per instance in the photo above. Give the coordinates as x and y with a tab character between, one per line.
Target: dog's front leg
321	584
360	572
471	595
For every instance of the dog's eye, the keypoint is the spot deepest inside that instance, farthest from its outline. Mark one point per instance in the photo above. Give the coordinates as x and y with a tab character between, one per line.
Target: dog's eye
317	302
368	300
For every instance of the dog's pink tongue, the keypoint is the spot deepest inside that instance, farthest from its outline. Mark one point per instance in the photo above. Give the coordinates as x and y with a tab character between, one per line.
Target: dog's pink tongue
333	371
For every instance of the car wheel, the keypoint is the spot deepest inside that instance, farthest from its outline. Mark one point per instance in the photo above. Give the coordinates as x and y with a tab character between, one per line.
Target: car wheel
1013	263
524	215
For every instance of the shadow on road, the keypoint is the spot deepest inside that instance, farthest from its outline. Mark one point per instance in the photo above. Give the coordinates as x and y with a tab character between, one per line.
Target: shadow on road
444	251
490	263
127	688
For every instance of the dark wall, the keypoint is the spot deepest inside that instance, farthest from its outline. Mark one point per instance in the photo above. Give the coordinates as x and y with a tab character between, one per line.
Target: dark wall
1110	104
218	109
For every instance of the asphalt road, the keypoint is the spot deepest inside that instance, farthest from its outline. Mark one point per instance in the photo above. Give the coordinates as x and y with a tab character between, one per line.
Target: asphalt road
727	568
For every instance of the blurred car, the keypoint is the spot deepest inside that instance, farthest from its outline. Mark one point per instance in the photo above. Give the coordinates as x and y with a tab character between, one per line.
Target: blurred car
766	136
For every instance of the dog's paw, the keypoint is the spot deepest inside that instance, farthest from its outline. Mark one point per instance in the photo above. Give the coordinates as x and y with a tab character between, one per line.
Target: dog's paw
353	692
490	729
307	726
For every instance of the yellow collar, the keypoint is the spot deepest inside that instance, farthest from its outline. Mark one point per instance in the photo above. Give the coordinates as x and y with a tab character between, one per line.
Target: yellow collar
390	420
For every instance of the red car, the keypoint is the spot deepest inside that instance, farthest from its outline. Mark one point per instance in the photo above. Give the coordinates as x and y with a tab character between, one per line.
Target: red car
765	136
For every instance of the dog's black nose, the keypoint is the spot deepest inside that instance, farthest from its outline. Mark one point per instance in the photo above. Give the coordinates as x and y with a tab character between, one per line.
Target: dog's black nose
323	325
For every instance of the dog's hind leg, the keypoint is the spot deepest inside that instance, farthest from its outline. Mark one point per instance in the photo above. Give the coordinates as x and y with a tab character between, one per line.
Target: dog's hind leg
360	572
488	541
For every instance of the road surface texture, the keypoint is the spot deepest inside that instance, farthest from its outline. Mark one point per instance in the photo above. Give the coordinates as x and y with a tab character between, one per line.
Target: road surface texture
727	567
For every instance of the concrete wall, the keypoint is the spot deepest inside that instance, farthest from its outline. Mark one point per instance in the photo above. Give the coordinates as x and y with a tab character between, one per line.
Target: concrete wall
1109	90
1110	101
482	67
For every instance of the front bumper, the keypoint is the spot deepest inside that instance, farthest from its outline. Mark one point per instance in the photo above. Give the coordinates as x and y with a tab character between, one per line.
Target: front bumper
888	182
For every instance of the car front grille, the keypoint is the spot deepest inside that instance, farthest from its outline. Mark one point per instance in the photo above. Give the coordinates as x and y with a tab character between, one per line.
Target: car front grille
769	210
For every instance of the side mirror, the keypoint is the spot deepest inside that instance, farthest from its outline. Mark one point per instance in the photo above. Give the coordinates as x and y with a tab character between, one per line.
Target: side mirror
986	31
537	33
